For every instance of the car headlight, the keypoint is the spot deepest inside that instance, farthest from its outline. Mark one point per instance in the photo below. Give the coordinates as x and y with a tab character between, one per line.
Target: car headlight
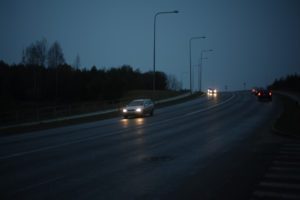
215	91
124	110
138	110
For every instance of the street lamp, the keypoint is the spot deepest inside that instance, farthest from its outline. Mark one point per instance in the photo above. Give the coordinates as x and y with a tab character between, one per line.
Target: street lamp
200	67
158	13
190	45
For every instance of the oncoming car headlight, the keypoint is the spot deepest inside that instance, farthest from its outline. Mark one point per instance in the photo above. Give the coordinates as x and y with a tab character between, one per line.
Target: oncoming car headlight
138	110
124	110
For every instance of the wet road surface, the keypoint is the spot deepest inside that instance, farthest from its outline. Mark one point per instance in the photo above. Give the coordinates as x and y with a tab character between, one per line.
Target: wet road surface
207	148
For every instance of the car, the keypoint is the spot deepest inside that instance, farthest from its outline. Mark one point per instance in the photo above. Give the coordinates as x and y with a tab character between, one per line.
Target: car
254	91
263	94
211	92
138	107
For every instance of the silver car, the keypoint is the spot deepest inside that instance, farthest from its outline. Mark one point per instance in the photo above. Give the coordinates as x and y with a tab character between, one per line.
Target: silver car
138	107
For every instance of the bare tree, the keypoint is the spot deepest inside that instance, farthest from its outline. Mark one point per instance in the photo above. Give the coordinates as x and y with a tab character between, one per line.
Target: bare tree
173	83
23	57
77	62
36	53
41	51
55	58
55	55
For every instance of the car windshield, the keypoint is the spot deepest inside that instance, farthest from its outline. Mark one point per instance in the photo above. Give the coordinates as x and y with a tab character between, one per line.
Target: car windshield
136	103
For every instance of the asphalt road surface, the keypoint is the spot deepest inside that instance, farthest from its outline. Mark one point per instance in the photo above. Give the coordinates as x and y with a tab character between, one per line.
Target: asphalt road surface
207	148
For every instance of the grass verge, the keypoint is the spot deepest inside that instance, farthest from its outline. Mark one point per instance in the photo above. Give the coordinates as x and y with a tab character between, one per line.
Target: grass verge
289	121
57	124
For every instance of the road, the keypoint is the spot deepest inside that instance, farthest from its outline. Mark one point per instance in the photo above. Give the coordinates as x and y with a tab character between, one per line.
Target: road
208	148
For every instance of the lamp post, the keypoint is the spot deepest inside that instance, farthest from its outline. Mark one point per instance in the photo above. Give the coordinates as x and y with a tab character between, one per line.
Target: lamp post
200	67
158	13
190	45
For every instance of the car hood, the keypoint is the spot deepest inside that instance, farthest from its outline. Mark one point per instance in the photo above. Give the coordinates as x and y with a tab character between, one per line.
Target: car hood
134	107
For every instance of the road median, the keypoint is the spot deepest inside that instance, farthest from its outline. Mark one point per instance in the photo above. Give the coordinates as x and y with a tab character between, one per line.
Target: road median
84	118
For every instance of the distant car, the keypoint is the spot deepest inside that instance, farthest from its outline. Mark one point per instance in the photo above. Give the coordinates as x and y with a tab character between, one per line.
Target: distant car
264	95
138	107
254	91
212	92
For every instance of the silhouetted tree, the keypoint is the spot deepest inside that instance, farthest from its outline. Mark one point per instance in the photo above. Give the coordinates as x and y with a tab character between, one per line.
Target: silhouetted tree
5	79
31	82
36	53
160	80
55	55
77	64
173	83
290	82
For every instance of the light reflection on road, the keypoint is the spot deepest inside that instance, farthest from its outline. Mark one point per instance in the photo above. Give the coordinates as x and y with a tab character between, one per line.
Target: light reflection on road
135	121
139	135
213	97
210	96
124	123
139	121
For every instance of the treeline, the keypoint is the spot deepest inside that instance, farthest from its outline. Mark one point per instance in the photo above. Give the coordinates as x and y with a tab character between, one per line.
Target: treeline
43	77
64	83
290	82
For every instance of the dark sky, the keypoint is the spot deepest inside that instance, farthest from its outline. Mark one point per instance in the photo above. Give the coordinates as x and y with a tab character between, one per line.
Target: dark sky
253	41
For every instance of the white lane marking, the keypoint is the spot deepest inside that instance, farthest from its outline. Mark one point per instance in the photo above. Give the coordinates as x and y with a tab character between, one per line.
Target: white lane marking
109	134
297	149
58	145
285	168
291	153
290	163
282	180
211	107
277	195
286	156
283	176
191	113
292	145
280	185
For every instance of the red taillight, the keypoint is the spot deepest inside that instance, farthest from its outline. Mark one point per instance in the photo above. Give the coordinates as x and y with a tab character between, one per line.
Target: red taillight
270	93
259	94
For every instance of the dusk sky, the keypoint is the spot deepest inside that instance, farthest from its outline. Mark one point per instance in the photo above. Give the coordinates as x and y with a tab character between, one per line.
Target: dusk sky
253	41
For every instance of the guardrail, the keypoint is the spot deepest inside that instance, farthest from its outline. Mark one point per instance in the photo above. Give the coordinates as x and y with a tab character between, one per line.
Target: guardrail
173	98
